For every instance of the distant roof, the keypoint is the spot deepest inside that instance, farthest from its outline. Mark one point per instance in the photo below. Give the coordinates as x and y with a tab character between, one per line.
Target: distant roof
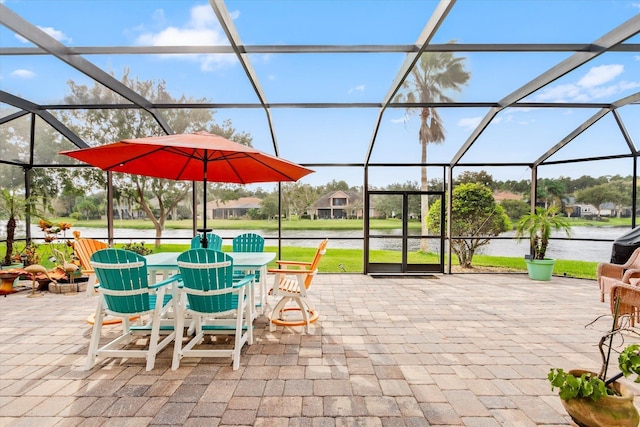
506	195
324	200
242	202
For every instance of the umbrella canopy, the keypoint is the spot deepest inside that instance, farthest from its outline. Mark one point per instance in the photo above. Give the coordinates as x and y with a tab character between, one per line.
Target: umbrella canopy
199	156
190	157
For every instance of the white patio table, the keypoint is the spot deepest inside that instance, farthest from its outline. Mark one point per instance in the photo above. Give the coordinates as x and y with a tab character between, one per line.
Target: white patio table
167	263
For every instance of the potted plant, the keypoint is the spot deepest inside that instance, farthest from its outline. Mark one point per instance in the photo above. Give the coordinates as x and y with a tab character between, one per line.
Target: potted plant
28	255
594	400
60	249
537	226
15	207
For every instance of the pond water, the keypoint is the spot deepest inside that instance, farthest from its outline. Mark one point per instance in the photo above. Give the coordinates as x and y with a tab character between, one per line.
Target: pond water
574	248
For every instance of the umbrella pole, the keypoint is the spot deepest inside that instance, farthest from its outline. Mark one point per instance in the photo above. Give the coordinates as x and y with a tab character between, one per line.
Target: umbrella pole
204	230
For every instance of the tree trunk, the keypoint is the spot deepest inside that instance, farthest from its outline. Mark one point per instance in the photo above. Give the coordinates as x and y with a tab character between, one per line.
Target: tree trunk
158	235
424	199
145	207
11	233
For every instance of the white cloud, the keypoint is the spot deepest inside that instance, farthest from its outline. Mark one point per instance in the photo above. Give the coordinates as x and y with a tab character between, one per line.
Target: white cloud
201	30
526	122
22	74
159	17
601	75
403	119
599	83
469	123
359	88
56	34
558	93
202	16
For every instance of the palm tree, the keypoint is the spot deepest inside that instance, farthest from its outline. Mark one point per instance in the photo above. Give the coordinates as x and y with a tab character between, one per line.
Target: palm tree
538	225
13	207
435	74
551	190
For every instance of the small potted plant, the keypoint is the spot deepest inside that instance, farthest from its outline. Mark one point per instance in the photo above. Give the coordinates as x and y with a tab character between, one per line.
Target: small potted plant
595	400
28	255
537	226
138	248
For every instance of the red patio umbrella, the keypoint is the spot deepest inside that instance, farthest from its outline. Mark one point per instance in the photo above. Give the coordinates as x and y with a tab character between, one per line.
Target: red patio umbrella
199	156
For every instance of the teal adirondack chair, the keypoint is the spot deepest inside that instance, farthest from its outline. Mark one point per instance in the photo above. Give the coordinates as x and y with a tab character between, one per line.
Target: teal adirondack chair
248	242
215	302
125	292
213	242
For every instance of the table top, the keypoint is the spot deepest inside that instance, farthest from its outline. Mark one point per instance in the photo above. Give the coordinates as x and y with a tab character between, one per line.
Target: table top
240	259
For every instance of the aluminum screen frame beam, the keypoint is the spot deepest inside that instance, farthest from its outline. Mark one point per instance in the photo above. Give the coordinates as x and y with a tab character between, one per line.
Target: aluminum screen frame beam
615	37
25	105
588	123
226	23
41	39
437	18
287	49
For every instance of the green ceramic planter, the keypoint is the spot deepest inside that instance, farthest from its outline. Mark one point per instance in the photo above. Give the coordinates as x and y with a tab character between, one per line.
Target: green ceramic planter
540	269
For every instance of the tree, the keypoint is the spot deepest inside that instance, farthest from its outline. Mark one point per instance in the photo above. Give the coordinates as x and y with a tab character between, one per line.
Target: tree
87	207
414	203
156	197
299	197
481	177
435	74
523	186
269	206
551	191
15	207
583	182
336	186
475	214
622	189
391	205
515	208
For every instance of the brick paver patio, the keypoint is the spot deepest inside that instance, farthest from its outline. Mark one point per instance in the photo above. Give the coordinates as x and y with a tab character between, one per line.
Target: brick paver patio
458	350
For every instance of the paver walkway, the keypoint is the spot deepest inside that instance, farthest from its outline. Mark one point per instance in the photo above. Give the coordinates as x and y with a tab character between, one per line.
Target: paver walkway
464	349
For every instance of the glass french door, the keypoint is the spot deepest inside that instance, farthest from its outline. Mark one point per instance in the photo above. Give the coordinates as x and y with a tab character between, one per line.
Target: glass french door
397	240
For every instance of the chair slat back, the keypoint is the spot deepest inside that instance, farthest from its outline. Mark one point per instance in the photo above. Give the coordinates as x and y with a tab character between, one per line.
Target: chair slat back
213	242
322	249
123	280
248	242
207	277
84	248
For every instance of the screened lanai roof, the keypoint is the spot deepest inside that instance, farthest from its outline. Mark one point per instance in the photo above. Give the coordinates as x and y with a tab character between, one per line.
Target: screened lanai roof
552	82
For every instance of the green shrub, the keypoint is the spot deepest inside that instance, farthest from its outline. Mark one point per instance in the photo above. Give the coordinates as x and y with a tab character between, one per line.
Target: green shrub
138	248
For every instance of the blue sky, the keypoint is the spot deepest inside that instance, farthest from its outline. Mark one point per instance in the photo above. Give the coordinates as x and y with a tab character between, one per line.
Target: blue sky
343	135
